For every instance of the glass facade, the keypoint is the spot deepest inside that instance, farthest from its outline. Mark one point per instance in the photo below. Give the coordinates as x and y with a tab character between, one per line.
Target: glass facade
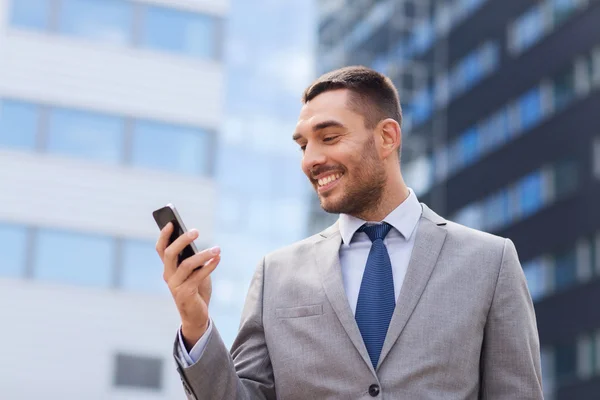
30	14
181	32
171	148
123	23
107	21
523	198
18	125
74	258
103	138
13	246
85	135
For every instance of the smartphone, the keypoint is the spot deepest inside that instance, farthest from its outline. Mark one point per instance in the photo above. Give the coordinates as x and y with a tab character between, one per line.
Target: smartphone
167	214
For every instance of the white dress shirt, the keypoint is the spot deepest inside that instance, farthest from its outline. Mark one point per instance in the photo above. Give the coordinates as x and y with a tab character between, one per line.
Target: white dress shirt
354	252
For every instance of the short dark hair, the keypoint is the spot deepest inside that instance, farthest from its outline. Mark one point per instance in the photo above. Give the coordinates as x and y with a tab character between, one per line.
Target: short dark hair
374	96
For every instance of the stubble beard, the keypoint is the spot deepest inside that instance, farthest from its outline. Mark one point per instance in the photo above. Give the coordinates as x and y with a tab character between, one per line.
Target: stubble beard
365	191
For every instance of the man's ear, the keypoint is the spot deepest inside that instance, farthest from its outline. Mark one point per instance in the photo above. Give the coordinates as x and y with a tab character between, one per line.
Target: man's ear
391	137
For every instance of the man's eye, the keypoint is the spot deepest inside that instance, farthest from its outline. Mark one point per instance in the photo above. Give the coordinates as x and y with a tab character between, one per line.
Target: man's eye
302	148
329	139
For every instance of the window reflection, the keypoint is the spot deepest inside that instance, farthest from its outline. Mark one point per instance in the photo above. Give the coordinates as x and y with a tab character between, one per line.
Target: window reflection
13	241
177	31
77	258
109	21
86	135
172	148
18	124
30	14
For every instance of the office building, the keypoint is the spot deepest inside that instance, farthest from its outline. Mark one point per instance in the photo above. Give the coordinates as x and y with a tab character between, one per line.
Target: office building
501	120
108	110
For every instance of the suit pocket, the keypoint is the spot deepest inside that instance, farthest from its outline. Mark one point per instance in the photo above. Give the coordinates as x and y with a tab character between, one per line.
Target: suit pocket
298	312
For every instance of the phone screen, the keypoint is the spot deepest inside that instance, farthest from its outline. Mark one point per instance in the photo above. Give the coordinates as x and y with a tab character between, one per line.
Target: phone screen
167	214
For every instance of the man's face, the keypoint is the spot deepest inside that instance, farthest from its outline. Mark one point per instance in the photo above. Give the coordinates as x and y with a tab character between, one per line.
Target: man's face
340	157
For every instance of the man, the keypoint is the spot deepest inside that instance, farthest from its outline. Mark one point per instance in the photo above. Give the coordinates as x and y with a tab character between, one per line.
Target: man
392	301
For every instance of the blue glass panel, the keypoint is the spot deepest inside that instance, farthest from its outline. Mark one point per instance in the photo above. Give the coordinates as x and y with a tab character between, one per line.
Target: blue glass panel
529	28
470	146
18	124
531	197
530	108
109	21
86	135
497	210
13	241
142	267
30	14
562	9
535	274
472	70
422	106
179	31
172	148
75	258
565	269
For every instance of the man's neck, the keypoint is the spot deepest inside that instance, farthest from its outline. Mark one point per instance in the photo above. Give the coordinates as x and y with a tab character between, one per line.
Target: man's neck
388	203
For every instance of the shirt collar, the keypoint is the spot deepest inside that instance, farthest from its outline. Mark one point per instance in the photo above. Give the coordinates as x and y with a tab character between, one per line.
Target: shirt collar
403	218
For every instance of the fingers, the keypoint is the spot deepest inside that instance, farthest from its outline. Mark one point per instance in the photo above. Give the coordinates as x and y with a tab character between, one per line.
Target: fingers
163	239
196	278
187	267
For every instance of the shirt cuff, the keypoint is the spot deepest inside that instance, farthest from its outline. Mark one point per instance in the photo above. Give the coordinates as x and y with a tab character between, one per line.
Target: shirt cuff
189	359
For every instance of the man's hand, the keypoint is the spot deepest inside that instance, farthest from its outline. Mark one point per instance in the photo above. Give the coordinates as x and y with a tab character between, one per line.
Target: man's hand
190	285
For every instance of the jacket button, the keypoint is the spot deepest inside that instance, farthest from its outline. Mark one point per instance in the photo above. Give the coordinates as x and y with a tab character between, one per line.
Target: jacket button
374	390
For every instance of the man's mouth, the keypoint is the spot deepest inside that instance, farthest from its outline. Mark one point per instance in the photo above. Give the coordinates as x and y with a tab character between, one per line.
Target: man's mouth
328	181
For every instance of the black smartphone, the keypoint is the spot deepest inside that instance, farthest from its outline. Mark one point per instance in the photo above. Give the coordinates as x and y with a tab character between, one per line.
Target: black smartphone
167	214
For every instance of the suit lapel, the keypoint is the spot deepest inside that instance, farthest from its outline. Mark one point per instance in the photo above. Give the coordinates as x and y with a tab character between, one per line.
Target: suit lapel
428	244
328	263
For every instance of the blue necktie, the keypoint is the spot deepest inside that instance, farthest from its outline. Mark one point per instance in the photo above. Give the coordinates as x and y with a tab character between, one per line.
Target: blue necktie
376	300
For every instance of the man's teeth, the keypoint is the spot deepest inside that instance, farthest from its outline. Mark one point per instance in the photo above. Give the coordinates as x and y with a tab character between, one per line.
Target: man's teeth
329	179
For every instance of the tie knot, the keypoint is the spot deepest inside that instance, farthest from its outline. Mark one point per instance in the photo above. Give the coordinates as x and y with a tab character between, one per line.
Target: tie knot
375	232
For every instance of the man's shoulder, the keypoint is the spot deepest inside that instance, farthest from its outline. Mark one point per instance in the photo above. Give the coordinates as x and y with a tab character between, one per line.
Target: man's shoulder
467	234
462	235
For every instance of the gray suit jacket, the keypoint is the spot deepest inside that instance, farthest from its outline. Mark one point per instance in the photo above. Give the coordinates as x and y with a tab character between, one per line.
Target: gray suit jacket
464	327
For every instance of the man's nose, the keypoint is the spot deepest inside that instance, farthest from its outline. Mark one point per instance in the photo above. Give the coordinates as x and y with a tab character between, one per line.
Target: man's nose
313	157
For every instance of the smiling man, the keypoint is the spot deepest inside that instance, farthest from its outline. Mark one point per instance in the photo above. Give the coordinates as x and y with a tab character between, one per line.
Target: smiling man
392	301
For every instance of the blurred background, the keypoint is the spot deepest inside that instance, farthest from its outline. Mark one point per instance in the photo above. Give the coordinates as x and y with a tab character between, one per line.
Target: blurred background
110	109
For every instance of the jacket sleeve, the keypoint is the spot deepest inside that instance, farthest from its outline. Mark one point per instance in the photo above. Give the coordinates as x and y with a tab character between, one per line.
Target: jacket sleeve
246	372
510	363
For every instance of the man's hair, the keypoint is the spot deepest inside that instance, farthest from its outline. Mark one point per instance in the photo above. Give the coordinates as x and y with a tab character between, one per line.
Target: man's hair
373	95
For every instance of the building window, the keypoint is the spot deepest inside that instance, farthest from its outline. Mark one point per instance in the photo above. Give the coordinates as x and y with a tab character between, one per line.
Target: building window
563	9
13	243
75	258
138	372
497	210
108	21
528	29
566	178
536	275
469	144
18	124
172	148
181	32
494	131
530	108
86	135
30	14
141	269
565	362
565	269
564	89
530	194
